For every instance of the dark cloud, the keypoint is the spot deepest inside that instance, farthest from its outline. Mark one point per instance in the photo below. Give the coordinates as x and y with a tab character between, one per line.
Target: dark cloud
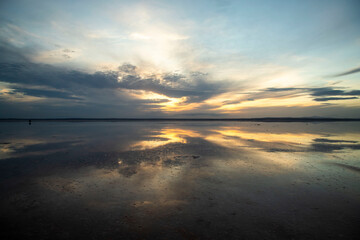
333	98
127	68
11	54
320	94
45	93
16	68
19	70
109	91
102	89
325	140
91	108
194	87
56	77
325	91
352	71
282	89
329	91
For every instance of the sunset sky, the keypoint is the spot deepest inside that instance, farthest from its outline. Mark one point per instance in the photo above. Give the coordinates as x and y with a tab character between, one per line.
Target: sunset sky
188	59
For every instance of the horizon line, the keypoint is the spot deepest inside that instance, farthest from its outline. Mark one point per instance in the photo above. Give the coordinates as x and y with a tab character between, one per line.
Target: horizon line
262	119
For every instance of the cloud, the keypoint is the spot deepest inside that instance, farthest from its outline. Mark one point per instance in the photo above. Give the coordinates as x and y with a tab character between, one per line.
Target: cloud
333	98
112	88
282	89
171	85
45	93
329	91
194	87
352	71
320	94
12	54
131	90
325	91
34	74
325	140
17	68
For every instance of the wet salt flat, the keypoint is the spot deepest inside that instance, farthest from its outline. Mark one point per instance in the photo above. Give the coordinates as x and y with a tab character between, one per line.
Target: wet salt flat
179	180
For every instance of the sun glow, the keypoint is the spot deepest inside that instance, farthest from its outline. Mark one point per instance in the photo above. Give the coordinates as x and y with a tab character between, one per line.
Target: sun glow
163	102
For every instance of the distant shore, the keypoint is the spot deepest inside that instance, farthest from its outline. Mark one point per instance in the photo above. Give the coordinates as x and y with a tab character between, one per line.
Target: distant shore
267	119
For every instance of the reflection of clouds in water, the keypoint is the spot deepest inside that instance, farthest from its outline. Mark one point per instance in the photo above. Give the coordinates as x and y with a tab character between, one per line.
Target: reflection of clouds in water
170	155
150	188
10	146
300	138
25	147
173	145
346	166
232	142
325	147
163	137
285	142
184	172
164	146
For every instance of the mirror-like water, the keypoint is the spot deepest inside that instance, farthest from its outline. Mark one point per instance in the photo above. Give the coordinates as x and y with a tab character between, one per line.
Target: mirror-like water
179	180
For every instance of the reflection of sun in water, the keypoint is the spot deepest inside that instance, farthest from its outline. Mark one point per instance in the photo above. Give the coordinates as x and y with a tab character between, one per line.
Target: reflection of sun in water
165	136
228	137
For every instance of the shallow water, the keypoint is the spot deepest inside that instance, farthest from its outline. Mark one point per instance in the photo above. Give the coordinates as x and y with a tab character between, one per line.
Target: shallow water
179	180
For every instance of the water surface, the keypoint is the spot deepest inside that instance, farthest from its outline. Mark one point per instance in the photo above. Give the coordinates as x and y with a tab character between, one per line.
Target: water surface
179	180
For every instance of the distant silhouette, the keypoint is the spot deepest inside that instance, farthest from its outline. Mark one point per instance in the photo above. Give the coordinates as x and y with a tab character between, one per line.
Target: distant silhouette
29	121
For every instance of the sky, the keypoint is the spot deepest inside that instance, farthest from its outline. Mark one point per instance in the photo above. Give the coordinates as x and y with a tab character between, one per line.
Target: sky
188	59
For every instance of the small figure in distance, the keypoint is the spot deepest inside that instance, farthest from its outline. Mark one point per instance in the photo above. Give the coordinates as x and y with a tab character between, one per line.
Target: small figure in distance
29	121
